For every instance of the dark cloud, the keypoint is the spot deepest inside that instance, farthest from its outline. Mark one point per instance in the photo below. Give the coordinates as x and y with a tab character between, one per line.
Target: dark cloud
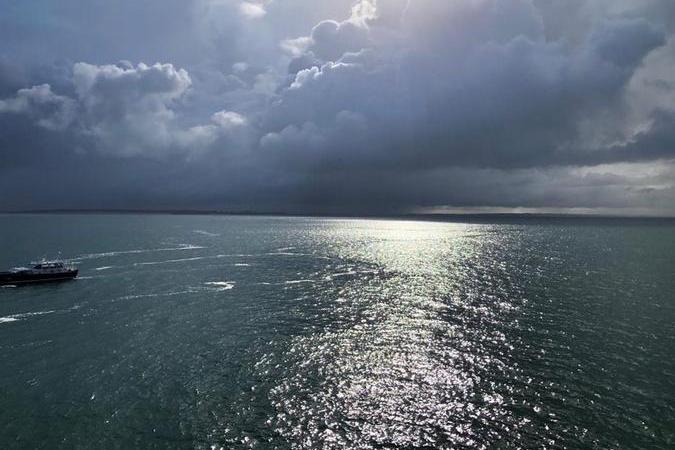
393	105
519	103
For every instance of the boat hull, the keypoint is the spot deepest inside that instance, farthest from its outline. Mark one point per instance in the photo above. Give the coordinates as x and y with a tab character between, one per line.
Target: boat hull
21	278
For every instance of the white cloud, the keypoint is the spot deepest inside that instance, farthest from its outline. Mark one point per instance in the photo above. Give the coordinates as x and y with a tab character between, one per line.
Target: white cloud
297	46
228	130
252	10
240	66
228	119
51	111
129	110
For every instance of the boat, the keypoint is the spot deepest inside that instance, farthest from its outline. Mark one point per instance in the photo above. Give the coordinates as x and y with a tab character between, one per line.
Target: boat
41	272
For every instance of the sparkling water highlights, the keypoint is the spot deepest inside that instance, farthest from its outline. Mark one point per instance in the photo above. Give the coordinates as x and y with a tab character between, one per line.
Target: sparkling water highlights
298	333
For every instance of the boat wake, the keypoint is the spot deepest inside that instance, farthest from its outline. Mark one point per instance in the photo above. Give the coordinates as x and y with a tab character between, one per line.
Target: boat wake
195	258
221	285
28	315
170	261
153	295
299	281
136	251
22	316
205	233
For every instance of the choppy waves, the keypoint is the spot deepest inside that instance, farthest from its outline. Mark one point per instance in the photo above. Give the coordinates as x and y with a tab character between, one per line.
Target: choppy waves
339	335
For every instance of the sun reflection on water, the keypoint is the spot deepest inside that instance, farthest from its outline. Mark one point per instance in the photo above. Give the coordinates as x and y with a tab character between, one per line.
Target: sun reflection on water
414	344
304	333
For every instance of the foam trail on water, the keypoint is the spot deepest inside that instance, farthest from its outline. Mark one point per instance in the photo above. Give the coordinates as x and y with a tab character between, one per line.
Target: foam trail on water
222	285
158	294
21	316
196	258
136	251
298	281
205	233
169	261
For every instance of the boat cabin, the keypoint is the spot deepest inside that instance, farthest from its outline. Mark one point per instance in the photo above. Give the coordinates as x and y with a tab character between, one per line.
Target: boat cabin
49	265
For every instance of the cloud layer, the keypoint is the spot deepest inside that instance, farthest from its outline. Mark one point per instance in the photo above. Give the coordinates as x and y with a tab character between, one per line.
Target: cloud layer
376	106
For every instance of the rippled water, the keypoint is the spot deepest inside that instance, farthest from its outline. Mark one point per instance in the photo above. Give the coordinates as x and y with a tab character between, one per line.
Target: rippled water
300	333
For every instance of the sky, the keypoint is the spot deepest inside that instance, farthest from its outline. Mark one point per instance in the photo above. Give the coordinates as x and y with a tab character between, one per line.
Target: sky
338	106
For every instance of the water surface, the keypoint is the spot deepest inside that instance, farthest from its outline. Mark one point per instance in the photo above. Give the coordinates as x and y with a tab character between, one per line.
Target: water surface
302	333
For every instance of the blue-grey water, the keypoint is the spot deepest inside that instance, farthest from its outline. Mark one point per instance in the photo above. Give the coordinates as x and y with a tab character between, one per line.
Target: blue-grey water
304	333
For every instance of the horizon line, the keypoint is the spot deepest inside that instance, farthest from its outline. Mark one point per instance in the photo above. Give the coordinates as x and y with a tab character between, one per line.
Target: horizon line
409	215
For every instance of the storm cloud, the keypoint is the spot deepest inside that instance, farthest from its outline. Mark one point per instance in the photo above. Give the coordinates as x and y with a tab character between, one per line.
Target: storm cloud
351	107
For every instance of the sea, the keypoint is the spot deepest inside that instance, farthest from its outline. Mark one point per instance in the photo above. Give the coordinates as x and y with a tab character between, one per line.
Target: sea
238	332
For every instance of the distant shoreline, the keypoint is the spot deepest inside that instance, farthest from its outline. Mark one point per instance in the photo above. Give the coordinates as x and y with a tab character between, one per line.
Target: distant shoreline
487	217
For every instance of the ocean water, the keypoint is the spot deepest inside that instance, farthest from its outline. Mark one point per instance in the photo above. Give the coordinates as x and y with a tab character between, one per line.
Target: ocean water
305	333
